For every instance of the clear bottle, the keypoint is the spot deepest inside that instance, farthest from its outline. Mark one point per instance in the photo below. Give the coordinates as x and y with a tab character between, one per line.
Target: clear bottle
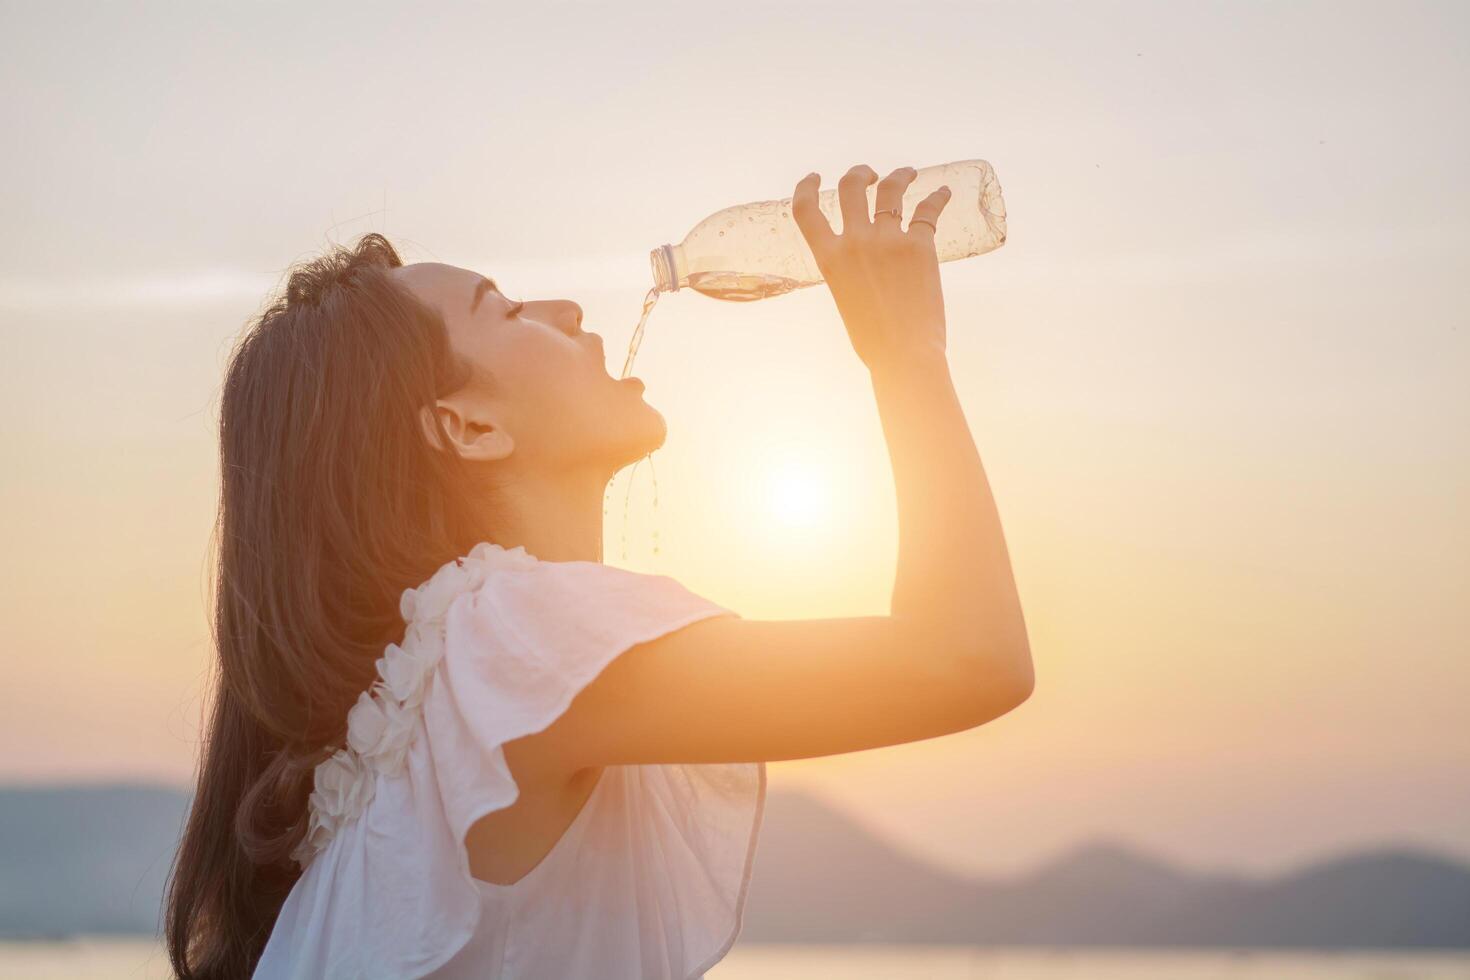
755	250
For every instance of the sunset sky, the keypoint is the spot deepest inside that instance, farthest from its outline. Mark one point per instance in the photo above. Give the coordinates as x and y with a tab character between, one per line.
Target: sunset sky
1217	374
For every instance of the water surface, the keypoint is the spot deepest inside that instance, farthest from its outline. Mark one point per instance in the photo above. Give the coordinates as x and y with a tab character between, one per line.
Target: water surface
144	959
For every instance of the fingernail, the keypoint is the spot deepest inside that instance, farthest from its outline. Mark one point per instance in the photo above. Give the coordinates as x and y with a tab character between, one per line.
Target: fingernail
810	175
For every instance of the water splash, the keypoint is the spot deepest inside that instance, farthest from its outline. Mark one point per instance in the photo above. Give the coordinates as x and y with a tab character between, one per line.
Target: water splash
637	341
627	498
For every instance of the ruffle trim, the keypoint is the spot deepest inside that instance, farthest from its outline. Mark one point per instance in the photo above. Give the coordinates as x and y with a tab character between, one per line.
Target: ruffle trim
383	723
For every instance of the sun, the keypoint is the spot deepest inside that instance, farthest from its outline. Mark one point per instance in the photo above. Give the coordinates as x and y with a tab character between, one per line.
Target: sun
796	495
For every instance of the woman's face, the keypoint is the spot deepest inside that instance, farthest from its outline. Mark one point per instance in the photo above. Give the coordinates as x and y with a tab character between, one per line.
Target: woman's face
542	401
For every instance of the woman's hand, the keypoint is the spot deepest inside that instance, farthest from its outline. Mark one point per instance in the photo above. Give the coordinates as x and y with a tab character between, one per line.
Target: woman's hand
884	279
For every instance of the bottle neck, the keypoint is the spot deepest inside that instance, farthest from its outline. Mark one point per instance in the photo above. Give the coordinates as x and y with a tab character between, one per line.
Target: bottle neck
669	269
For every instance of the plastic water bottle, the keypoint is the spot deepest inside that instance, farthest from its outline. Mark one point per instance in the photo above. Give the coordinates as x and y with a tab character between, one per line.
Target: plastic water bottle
755	250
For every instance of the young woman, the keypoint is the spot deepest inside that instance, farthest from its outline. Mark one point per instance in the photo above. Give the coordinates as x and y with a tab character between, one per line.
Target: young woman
446	739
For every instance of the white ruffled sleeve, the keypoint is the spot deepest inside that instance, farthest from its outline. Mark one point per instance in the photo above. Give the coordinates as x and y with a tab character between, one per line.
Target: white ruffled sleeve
518	649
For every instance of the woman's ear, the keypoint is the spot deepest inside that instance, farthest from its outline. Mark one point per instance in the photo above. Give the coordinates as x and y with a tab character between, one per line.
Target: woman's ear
479	440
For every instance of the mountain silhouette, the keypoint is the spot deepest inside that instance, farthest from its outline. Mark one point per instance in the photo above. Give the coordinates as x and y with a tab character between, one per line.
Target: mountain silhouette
93	859
820	877
86	859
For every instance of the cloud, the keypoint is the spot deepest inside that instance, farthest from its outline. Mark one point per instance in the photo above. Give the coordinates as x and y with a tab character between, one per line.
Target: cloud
182	290
192	289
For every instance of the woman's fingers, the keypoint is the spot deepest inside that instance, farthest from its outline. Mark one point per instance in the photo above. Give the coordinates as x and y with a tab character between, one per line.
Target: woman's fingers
888	203
808	215
883	279
852	195
928	211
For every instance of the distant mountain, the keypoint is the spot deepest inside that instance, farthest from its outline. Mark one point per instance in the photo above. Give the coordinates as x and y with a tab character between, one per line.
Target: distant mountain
93	859
819	877
85	858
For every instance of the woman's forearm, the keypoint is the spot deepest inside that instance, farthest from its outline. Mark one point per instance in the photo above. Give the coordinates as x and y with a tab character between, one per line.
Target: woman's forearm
954	573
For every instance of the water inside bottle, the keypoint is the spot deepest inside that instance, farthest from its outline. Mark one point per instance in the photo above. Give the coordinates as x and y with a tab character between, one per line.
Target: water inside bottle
740	287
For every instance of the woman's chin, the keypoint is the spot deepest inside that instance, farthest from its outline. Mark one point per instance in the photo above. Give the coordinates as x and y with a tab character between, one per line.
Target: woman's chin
652	429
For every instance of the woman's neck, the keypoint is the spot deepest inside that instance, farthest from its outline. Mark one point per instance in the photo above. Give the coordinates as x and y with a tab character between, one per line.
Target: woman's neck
555	520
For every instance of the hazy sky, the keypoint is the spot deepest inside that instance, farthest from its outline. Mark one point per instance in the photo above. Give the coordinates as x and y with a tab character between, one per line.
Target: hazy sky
1217	374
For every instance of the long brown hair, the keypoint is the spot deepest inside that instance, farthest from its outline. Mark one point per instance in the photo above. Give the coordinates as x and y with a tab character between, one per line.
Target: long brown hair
332	502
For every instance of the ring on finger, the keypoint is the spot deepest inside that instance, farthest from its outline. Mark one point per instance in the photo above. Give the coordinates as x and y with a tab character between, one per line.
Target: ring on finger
922	221
892	211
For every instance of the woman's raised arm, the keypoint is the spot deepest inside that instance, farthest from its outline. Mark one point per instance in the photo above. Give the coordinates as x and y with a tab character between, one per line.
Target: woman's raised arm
953	652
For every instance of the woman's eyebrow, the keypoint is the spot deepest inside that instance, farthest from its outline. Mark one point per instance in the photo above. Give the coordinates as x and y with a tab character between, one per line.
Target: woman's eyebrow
480	289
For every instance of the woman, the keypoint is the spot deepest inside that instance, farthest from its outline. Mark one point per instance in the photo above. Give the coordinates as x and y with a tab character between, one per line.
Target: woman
447	740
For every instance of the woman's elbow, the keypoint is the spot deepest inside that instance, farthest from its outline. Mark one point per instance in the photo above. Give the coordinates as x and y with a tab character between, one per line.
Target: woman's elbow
1025	681
1006	679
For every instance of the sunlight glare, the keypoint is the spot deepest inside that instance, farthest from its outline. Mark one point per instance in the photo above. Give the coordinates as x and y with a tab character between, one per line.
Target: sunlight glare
796	496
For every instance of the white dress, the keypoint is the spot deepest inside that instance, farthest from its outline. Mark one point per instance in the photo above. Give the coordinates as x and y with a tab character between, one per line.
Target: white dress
648	882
